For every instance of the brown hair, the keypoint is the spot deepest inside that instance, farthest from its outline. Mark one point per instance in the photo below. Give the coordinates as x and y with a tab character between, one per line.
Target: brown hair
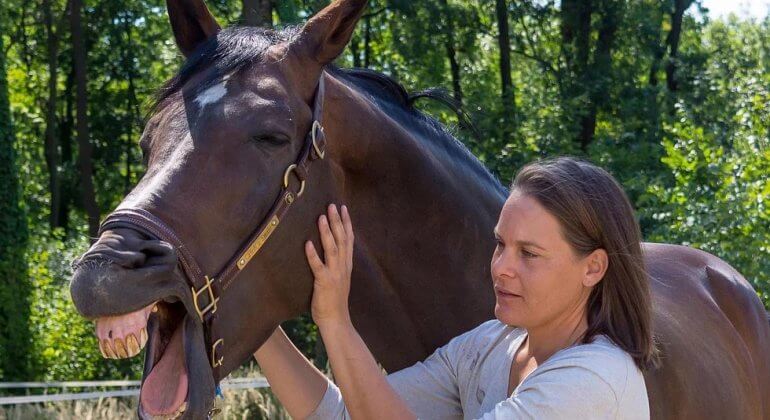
595	213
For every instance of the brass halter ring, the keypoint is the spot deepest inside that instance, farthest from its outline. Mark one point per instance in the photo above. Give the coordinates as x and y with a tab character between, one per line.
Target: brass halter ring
317	126
289	170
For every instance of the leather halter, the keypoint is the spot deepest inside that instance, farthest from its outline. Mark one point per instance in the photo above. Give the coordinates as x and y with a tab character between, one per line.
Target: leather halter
206	290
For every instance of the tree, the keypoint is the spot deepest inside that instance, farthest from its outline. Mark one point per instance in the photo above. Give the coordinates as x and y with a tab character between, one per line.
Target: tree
85	149
14	285
258	13
672	41
508	92
52	156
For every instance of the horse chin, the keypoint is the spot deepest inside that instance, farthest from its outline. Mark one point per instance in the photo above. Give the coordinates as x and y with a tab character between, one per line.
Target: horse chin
175	355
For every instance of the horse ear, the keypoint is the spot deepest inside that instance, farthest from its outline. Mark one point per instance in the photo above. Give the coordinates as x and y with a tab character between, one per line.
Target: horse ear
191	22
326	34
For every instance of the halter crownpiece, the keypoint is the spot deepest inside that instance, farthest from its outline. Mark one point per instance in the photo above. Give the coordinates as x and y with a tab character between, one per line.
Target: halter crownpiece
206	290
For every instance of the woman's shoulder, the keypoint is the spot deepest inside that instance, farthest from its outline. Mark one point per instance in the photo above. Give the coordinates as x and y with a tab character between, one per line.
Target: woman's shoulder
490	336
488	333
604	360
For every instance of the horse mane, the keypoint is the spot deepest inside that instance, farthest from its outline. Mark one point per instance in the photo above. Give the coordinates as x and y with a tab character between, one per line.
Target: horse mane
235	47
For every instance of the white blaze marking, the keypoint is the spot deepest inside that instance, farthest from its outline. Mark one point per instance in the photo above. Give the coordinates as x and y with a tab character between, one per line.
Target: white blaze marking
211	95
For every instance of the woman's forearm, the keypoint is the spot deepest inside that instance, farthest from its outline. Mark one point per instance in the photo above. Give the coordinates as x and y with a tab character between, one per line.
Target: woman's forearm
366	392
294	380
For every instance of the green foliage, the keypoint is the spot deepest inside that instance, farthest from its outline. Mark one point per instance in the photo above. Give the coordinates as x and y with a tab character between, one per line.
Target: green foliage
14	285
64	344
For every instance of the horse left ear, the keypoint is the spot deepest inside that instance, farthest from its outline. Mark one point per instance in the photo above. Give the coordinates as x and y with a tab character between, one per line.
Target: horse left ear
325	35
192	23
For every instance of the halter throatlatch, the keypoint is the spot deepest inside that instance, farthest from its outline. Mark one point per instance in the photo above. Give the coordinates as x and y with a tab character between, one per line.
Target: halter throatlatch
206	290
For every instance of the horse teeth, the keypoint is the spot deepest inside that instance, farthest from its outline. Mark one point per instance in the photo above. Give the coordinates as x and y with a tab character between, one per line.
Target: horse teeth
108	350
120	349
175	415
142	337
181	410
132	345
101	349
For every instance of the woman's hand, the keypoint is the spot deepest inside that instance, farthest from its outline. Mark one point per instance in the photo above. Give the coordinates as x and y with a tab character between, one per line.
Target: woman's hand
331	287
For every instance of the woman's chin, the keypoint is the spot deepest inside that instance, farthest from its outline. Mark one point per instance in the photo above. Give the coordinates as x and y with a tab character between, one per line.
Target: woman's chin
508	315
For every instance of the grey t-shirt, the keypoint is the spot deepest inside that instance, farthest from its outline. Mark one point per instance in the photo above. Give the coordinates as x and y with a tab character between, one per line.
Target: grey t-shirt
468	379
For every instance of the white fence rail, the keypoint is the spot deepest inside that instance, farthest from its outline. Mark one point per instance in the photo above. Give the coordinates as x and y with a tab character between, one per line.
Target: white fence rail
230	384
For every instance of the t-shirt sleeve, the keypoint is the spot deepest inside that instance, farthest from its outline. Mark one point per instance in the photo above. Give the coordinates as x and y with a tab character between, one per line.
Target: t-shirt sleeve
560	391
429	387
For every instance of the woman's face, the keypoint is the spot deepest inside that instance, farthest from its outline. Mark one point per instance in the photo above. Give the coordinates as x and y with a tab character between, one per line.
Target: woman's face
538	278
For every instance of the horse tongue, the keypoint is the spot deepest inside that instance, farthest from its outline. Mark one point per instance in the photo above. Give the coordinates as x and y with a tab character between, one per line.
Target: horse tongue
165	389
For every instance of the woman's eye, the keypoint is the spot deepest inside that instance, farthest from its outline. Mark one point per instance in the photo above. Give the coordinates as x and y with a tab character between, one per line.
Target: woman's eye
527	254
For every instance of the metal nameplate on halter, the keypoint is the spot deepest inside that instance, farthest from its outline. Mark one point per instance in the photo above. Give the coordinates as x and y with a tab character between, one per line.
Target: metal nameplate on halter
212	306
258	243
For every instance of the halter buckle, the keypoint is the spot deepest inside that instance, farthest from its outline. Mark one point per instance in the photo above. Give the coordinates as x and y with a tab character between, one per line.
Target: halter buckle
314	133
212	306
215	363
291	169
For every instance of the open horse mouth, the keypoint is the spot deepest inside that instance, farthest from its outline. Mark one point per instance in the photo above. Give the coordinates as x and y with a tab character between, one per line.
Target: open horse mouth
165	384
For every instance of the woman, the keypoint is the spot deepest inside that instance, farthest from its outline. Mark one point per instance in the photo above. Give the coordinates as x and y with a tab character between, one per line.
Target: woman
572	332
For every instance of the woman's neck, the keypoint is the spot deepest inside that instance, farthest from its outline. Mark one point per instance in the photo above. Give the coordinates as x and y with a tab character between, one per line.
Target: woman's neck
562	332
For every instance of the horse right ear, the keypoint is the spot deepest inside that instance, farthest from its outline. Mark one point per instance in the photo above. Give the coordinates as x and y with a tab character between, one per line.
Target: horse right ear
326	34
191	22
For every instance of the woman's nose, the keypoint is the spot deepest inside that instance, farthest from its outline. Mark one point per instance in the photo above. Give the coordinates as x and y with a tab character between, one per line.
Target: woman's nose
503	265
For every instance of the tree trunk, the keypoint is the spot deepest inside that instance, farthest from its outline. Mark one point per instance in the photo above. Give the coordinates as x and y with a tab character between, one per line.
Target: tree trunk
132	103
576	33
576	37
51	142
258	13
680	6
600	71
449	45
85	149
14	283
506	81
354	51
65	137
367	41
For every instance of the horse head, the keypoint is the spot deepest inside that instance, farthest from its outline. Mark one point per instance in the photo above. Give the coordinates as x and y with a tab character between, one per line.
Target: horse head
235	153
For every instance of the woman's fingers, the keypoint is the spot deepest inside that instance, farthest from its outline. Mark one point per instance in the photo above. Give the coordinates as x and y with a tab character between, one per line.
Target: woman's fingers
327	240
340	236
316	265
348	226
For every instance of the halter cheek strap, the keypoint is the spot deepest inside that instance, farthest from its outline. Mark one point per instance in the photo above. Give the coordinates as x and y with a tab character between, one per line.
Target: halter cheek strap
206	290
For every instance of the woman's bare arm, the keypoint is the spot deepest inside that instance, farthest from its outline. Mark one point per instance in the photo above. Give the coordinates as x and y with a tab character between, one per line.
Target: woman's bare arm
366	392
293	379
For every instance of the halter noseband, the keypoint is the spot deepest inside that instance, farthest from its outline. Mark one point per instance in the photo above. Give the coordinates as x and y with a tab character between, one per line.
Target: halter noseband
206	290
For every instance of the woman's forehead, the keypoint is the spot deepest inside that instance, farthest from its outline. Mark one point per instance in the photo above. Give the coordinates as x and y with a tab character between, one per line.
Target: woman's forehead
524	219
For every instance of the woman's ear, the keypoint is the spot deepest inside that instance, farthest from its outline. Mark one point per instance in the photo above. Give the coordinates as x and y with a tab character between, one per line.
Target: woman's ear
596	267
326	34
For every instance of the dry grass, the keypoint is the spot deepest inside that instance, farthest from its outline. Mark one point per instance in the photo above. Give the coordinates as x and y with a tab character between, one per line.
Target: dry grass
237	404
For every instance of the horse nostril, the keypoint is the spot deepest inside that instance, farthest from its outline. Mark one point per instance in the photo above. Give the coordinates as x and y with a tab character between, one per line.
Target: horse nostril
158	252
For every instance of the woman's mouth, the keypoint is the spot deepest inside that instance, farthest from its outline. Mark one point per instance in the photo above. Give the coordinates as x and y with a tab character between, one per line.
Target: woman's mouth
505	294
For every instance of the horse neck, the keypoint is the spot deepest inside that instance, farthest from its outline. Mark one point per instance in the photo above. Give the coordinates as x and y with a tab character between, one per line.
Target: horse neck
423	213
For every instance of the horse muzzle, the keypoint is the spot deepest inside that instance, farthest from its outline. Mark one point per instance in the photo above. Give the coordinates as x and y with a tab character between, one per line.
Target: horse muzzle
130	284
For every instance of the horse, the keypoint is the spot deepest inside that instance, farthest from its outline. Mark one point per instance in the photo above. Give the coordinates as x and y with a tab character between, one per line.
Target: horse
246	146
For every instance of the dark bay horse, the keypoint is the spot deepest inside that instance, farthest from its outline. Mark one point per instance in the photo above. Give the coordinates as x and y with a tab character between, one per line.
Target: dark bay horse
204	258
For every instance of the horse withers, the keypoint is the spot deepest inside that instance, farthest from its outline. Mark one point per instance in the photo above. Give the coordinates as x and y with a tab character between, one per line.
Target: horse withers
248	144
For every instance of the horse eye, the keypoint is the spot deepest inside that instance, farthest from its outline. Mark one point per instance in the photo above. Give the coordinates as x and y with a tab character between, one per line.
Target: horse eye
275	140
